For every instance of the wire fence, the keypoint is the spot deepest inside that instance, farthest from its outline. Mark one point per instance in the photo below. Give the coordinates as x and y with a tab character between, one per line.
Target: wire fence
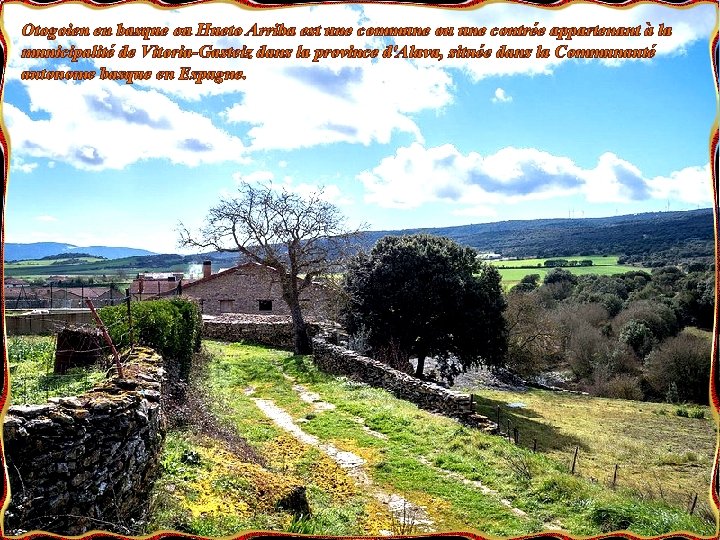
70	361
33	389
60	296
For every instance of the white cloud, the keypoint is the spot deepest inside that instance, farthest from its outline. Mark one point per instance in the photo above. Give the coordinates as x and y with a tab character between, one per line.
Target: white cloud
254	177
105	126
501	97
46	219
18	164
416	175
691	185
291	103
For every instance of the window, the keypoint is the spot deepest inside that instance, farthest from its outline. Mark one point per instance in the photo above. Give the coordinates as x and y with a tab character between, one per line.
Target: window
226	306
265	305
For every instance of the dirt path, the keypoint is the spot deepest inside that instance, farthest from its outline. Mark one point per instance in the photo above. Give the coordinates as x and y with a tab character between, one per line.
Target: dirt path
408	515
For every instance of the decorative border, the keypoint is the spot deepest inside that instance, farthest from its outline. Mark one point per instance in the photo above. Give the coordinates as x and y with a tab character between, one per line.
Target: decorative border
714	155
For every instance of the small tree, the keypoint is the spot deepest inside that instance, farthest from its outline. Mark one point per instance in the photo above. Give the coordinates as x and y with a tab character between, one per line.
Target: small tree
427	296
300	237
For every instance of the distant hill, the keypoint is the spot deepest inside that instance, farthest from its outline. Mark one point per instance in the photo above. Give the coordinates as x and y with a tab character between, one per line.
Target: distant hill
631	235
38	250
665	237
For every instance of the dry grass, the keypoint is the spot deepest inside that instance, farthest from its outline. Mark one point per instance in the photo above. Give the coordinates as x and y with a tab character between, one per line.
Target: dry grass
656	449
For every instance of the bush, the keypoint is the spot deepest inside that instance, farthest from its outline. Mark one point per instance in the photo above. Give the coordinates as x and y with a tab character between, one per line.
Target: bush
624	387
171	327
685	361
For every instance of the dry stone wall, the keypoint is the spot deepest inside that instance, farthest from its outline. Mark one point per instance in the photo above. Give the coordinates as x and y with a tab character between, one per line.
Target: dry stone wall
273	331
87	462
426	395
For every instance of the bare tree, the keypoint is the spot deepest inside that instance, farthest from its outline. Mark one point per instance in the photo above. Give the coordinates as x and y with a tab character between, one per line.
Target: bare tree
300	237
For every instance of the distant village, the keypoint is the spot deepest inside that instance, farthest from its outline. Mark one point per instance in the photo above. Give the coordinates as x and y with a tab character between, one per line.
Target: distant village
247	288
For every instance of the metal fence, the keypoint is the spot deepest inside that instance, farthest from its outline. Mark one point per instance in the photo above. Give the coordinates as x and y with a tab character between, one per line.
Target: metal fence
31	389
59	296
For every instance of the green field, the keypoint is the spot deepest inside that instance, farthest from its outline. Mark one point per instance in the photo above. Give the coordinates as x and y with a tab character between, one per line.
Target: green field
513	271
89	266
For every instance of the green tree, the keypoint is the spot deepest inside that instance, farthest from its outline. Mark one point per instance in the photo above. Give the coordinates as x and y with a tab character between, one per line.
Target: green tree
426	296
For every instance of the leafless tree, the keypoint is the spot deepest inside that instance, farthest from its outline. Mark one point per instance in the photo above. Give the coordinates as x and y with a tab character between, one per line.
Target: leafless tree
300	237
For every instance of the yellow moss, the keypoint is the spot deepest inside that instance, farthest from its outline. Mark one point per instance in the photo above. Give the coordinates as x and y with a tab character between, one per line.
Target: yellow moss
332	479
227	486
378	518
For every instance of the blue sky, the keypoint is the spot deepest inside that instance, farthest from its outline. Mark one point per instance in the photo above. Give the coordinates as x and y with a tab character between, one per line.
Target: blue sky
395	143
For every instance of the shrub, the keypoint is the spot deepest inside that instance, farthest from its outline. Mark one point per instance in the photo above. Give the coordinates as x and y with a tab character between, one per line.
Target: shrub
659	318
624	387
685	361
638	336
171	327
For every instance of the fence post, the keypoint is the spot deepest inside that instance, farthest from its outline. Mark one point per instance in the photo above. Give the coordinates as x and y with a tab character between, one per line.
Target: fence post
99	322
129	312
615	476
572	470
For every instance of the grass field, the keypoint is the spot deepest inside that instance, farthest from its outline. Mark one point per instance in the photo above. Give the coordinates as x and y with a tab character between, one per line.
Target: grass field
513	271
466	480
31	360
659	454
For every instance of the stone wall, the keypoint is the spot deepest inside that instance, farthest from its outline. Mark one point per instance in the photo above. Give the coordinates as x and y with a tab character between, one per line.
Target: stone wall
426	395
273	331
87	462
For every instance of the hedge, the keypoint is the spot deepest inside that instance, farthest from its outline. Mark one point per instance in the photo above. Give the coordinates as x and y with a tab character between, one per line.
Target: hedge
171	327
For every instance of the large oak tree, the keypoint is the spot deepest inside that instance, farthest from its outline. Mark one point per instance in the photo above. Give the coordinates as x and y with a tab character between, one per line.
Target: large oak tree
301	237
426	296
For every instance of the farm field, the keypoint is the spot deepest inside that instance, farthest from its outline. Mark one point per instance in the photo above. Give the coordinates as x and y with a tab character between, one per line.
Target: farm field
446	476
513	271
94	267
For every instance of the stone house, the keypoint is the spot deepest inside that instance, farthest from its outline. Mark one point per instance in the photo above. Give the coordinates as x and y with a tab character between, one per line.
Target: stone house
249	288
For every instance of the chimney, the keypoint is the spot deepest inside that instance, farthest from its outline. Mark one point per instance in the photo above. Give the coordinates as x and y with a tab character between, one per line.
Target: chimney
207	269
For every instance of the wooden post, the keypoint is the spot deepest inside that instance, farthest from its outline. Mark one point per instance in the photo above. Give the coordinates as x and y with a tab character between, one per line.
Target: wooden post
106	336
572	470
508	429
498	415
692	506
129	312
534	445
615	476
516	435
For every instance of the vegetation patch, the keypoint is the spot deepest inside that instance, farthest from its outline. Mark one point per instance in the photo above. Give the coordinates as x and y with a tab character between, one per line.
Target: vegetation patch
31	361
429	460
171	327
659	455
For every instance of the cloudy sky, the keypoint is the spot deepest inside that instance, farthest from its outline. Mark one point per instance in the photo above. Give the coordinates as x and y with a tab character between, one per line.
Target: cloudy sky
395	143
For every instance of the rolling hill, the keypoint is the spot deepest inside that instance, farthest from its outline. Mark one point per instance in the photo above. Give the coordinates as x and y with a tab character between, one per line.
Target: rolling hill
38	250
663	237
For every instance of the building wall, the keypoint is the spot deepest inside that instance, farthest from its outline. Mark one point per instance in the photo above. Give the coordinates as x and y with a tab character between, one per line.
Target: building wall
244	288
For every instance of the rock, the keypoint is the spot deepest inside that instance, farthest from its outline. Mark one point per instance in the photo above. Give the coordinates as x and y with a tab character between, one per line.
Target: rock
295	502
